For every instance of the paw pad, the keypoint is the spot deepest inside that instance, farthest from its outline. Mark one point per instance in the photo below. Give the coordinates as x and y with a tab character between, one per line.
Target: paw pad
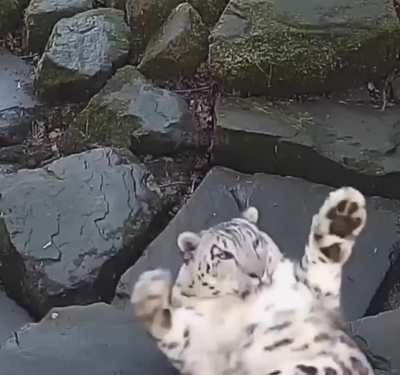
343	218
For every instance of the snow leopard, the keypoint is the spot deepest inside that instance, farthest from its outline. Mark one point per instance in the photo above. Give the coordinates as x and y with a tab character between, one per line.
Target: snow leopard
238	306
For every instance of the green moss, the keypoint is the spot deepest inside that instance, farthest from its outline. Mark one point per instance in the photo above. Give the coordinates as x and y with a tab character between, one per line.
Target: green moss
286	55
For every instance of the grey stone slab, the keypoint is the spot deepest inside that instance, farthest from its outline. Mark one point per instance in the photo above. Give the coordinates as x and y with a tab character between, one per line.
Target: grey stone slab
97	339
286	207
344	142
12	317
379	336
70	229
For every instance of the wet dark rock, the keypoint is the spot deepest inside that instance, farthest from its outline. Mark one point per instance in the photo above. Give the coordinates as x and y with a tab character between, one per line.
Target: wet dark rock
210	10
145	17
130	112
178	48
344	143
27	155
68	230
282	48
81	340
18	105
42	15
82	53
379	336
13	317
10	16
286	207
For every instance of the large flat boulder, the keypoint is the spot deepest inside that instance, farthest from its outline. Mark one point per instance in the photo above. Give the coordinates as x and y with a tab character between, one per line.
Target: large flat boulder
286	207
379	337
70	229
131	112
12	317
42	15
282	48
356	143
81	340
82	53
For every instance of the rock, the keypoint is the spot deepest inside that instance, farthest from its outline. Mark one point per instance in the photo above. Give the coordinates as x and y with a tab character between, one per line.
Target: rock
357	144
178	48
379	337
82	53
118	4
13	317
210	10
42	15
130	112
81	340
280	49
70	229
286	207
145	17
27	155
18	105
10	15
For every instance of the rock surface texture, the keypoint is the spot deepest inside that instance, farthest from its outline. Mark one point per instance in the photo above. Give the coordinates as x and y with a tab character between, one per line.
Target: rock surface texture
68	230
81	340
82	53
379	337
282	48
130	112
178	48
42	15
17	102
12	317
210	10
357	144
286	207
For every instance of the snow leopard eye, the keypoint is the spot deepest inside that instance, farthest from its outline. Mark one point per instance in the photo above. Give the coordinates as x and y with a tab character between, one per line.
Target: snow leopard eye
225	255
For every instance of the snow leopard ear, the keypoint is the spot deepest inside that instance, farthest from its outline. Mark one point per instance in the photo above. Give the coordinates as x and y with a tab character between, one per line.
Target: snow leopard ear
251	214
188	243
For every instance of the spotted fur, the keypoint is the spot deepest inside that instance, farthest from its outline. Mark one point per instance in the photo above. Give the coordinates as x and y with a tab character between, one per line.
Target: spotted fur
239	307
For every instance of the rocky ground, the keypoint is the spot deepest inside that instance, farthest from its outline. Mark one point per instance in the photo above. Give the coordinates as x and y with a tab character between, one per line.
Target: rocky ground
126	122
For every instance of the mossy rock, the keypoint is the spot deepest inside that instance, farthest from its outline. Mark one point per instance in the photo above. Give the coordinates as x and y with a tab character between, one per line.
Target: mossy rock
82	53
210	10
145	17
130	112
282	48
10	16
178	48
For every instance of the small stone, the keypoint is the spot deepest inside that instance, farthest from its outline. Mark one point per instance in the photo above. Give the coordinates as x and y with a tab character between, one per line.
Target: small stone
71	228
131	112
82	53
42	15
178	48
